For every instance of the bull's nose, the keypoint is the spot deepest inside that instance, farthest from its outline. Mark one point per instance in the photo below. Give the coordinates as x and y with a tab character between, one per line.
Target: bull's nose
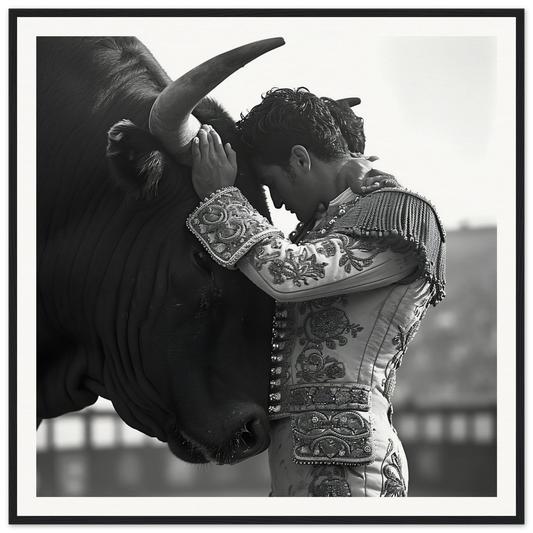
254	439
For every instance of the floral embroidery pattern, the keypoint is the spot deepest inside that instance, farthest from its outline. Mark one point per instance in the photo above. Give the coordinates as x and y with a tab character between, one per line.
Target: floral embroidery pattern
259	255
327	248
228	226
320	303
332	481
328	325
297	267
401	340
327	420
328	424
323	325
393	482
312	366
329	482
347	248
332	437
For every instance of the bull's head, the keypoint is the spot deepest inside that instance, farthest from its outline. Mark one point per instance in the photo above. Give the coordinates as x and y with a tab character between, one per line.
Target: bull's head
215	337
129	306
203	331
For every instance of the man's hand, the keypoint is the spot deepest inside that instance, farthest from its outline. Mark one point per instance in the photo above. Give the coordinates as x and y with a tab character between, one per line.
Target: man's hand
214	166
358	174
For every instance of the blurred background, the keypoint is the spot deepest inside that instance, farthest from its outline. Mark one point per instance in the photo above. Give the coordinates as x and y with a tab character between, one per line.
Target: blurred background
444	411
435	115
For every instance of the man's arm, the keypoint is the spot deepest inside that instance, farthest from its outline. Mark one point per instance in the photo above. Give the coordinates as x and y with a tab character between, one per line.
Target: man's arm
325	267
237	236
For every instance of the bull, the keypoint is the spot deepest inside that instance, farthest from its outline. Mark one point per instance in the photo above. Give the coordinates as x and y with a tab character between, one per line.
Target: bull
129	306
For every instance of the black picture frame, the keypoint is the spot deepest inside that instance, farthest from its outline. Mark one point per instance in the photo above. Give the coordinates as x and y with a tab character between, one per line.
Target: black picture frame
519	520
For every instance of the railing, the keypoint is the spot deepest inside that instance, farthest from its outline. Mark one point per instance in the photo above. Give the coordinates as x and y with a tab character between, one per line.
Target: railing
451	452
464	425
94	453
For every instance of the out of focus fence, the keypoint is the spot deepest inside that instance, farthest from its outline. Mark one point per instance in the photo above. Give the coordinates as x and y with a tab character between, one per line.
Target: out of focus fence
93	453
451	452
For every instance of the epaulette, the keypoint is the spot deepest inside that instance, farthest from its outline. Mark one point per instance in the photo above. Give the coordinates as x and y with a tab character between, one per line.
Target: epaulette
409	217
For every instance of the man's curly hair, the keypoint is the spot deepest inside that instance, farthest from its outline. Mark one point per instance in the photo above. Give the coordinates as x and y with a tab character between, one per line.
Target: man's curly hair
351	126
286	117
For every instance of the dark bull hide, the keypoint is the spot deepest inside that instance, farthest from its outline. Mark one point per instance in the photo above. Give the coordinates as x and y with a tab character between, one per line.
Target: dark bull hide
129	306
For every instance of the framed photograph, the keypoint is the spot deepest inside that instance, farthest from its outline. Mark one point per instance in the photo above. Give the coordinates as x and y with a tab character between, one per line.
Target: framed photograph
129	344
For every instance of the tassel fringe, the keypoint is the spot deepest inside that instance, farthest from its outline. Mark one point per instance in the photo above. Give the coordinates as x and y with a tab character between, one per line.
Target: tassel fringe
398	212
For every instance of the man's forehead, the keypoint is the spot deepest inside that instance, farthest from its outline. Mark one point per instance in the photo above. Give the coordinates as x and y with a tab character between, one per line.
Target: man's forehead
265	173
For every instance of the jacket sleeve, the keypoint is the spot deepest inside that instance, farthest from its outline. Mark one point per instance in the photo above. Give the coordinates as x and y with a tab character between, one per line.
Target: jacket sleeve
236	235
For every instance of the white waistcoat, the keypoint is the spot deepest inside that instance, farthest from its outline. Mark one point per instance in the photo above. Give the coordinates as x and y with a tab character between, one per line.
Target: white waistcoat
350	297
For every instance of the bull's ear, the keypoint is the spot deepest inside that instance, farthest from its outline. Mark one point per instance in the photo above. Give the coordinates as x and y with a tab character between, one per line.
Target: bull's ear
137	159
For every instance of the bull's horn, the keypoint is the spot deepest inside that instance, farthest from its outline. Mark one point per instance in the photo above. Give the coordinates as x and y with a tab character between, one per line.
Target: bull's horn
352	102
170	118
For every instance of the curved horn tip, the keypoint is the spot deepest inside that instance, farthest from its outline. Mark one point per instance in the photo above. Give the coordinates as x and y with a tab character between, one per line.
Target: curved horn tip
279	40
260	47
274	41
352	101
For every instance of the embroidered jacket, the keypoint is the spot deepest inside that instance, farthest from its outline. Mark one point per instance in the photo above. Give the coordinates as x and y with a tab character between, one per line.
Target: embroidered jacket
350	299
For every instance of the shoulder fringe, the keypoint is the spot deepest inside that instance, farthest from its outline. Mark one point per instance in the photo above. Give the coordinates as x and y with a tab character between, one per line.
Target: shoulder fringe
399	212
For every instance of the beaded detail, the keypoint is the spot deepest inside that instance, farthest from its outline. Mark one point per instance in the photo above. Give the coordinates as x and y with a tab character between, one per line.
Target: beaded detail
343	437
330	420
331	424
406	216
330	396
228	226
280	373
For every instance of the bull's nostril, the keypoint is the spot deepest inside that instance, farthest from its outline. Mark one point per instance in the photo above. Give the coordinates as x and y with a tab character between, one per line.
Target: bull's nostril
247	436
252	440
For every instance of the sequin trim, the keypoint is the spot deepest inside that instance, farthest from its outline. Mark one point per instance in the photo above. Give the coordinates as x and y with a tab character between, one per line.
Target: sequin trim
335	438
407	216
228	226
330	396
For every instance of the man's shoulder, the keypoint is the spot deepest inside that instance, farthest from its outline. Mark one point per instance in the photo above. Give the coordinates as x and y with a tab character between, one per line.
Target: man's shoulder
390	211
401	218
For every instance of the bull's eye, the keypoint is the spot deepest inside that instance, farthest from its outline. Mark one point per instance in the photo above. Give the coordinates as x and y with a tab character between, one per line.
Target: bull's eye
202	261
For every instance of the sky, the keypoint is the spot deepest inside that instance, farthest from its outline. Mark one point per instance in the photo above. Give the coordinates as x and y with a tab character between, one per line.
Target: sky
437	93
430	101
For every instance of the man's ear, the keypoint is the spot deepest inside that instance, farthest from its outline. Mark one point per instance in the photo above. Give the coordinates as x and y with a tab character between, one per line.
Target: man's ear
300	158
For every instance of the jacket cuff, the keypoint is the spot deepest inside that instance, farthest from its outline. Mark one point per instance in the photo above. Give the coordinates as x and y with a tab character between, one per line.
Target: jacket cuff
228	226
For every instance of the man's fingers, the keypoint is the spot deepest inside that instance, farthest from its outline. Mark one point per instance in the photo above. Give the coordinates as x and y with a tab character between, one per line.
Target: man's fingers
231	154
203	142
376	179
210	140
367	181
374	172
372	185
195	151
217	142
